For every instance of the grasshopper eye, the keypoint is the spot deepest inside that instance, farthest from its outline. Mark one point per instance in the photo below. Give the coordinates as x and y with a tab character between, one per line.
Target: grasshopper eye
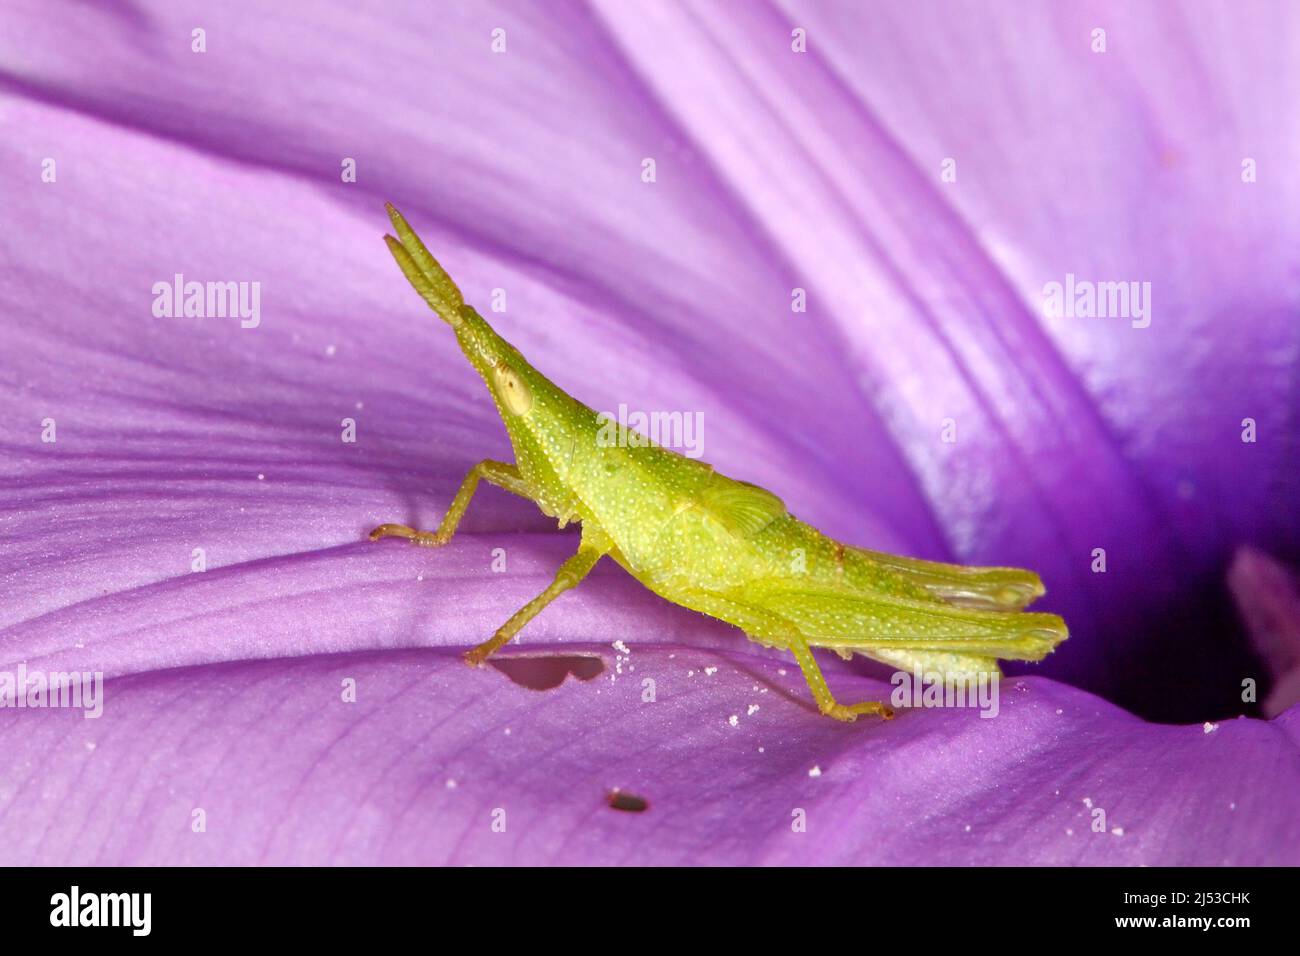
514	391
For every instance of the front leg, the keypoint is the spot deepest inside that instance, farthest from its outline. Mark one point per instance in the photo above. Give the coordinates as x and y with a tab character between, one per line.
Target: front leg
496	472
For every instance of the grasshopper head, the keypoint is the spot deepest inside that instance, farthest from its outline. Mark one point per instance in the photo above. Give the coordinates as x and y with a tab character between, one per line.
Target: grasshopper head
515	385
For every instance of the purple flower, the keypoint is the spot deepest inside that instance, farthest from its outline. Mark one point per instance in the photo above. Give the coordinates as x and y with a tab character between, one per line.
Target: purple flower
852	260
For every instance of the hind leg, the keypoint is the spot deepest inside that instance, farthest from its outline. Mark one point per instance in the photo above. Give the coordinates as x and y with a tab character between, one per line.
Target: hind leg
821	692
776	631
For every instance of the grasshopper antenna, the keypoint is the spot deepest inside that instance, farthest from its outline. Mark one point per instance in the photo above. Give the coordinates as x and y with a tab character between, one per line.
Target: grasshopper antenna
423	271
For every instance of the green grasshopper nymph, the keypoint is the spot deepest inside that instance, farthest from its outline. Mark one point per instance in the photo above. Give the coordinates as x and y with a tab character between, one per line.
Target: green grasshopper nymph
713	544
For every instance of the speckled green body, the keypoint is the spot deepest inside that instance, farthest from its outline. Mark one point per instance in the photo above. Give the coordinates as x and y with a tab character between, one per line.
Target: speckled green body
725	547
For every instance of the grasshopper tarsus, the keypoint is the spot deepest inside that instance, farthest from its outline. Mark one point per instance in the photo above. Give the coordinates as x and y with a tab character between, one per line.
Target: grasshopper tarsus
851	712
425	539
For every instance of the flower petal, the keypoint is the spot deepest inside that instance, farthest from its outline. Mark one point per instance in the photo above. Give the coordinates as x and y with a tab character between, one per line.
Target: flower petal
1268	598
434	763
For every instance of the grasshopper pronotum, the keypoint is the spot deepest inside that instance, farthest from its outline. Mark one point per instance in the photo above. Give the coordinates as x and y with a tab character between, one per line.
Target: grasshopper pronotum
713	544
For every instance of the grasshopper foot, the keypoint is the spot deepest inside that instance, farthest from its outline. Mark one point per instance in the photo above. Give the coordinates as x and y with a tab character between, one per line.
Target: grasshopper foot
476	656
426	539
850	712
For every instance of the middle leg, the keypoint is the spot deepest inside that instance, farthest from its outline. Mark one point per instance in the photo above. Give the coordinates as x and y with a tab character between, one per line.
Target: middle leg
569	575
